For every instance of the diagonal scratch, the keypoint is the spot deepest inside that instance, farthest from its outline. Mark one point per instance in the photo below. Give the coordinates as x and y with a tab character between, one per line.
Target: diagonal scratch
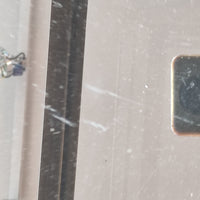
186	120
106	92
66	121
96	125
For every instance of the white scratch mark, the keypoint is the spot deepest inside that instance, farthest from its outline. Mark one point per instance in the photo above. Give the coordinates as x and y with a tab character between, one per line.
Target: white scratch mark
34	85
106	92
183	80
57	4
54	21
48	107
66	121
56	133
52	129
129	151
141	26
186	120
62	119
96	125
38	89
12	36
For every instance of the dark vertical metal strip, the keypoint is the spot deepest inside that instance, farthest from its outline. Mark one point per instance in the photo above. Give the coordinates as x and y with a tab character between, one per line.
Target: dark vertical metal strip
62	105
73	98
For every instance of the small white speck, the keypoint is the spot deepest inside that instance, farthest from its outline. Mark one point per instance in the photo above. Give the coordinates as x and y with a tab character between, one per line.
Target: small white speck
12	36
174	10
192	84
52	129
191	194
54	21
56	133
146	86
129	150
141	25
34	85
119	21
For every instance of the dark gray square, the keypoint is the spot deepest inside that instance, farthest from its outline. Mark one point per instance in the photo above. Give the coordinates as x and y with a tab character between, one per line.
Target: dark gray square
186	95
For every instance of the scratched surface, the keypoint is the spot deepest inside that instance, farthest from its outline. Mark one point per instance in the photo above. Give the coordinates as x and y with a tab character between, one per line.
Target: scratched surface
126	147
14	16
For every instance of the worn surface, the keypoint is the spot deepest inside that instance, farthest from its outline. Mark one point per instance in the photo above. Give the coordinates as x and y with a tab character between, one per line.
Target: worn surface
186	95
14	23
37	55
126	147
61	120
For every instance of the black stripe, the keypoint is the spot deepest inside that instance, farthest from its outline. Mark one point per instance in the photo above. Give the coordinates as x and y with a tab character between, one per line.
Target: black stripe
64	82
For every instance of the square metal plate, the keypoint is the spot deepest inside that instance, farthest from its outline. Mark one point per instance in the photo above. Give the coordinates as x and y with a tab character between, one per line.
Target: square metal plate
186	95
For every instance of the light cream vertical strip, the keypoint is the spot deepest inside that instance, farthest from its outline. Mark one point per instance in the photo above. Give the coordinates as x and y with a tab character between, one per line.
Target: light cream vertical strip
34	113
20	84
